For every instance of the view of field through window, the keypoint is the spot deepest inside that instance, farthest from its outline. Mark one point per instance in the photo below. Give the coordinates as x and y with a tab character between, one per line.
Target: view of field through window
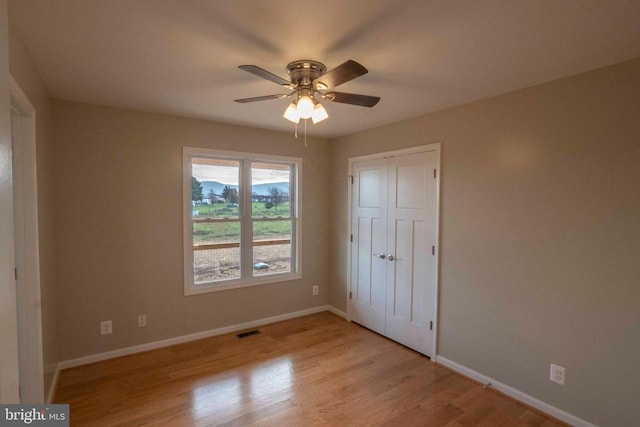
217	223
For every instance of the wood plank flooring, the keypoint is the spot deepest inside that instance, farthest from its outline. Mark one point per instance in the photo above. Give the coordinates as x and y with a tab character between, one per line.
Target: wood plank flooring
317	370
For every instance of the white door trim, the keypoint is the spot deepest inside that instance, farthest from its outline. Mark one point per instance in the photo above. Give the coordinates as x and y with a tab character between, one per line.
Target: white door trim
412	150
27	253
9	380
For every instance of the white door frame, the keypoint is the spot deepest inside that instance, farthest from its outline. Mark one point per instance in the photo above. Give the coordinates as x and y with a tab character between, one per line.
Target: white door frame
28	300
413	150
9	380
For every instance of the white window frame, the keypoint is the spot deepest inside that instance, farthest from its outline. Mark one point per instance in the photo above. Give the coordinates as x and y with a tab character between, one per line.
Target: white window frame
246	220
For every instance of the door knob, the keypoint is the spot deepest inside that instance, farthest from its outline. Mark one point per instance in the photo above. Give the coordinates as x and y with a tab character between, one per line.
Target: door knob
381	256
390	257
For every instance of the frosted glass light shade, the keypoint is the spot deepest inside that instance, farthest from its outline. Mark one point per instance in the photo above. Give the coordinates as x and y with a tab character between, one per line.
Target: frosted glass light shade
319	114
305	107
291	113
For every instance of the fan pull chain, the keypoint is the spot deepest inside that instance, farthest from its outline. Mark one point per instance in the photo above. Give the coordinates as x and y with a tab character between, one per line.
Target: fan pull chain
295	132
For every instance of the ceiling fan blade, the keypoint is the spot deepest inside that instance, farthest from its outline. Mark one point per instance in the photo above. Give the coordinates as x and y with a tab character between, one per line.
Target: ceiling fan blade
261	72
341	74
352	98
262	98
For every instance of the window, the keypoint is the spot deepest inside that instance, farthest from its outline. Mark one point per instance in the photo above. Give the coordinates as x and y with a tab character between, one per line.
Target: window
241	219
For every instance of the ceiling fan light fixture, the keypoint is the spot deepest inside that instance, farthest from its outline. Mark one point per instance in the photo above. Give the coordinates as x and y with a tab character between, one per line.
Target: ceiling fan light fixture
305	107
291	113
307	79
319	114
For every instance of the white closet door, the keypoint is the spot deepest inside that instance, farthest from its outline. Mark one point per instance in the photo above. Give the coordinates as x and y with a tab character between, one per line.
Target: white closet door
393	222
369	229
411	227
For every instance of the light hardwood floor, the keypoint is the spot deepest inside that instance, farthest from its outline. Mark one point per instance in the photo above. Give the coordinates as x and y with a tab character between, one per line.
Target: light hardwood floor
317	370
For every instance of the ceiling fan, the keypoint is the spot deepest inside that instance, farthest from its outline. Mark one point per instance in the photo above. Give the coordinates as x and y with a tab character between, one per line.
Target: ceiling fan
308	79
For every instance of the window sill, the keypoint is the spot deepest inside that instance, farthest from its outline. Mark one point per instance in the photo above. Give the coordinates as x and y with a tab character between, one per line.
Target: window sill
236	284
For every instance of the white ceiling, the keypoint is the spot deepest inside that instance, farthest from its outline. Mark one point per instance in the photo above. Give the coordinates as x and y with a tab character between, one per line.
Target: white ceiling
181	56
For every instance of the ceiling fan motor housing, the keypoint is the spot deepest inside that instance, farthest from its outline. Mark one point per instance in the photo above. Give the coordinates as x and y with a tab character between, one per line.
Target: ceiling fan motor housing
303	72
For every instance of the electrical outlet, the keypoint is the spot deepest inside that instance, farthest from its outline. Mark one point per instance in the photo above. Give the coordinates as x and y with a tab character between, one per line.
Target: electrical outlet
557	374
316	290
106	327
142	320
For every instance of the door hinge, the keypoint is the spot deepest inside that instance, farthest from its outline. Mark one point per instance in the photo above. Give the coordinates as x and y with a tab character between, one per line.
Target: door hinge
434	174
15	273
431	325
433	250
352	237
350	295
351	179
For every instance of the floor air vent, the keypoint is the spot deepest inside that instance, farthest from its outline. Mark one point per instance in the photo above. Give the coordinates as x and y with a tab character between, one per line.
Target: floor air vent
248	333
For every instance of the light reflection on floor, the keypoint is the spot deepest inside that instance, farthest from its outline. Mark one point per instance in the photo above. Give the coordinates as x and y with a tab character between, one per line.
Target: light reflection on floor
228	392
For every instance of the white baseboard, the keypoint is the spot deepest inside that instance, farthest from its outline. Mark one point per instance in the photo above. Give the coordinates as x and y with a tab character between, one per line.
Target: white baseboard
515	394
337	312
85	360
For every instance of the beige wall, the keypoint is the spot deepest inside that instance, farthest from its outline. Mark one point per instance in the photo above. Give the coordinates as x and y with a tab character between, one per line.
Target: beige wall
540	236
118	216
26	76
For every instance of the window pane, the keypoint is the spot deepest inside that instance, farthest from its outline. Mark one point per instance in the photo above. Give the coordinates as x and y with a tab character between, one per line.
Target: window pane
214	188
271	247
216	251
270	190
240	224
